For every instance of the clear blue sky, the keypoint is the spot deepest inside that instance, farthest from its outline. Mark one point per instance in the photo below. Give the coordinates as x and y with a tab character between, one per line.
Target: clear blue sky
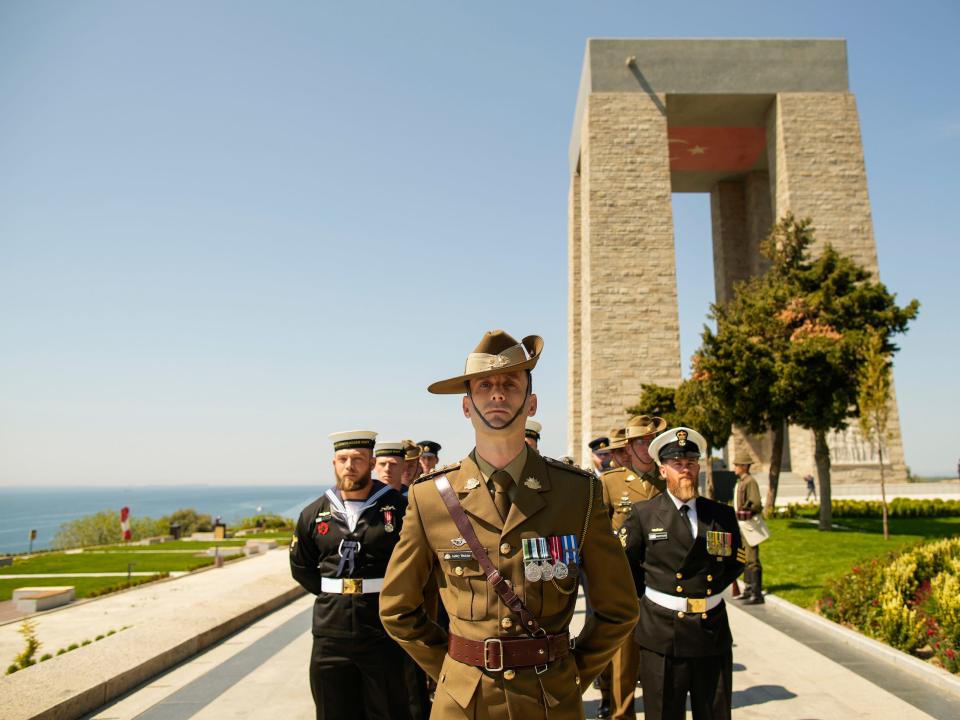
229	228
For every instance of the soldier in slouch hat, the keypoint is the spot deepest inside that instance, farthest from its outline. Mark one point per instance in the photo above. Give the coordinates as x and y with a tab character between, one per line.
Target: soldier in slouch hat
505	534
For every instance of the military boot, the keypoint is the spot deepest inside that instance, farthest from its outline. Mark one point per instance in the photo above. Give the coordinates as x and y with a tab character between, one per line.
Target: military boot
747	591
756	594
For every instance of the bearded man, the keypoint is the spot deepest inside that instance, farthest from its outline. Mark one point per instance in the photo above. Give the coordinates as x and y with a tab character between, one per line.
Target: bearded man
683	551
339	552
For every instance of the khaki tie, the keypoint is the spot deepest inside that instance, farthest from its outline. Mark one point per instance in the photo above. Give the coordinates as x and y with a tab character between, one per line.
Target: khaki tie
502	482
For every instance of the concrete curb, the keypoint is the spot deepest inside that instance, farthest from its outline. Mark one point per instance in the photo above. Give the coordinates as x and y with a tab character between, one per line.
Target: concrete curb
915	666
79	682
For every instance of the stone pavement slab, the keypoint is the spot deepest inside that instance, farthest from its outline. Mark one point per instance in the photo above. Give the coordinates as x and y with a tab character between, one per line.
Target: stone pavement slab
776	677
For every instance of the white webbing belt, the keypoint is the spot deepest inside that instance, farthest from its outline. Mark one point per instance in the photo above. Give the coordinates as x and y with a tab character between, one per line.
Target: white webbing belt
353	586
680	604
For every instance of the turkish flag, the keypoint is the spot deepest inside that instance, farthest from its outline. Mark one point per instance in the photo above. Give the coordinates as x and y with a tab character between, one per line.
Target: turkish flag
715	148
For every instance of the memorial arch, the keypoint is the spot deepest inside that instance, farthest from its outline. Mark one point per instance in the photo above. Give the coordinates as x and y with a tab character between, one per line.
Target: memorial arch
764	127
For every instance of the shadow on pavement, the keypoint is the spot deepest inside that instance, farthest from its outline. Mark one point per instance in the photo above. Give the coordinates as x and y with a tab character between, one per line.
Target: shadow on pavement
759	694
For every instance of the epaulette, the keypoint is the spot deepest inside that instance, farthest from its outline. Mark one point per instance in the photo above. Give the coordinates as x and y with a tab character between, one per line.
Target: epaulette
438	471
611	471
563	466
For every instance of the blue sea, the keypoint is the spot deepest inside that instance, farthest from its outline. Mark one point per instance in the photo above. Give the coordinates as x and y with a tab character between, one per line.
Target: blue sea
45	509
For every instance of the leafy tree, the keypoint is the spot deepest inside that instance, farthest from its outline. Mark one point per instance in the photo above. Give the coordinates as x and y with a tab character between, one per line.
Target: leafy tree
788	345
873	399
657	400
190	521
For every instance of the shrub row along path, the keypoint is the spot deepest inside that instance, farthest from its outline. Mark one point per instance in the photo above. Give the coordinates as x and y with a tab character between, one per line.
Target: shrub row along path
262	672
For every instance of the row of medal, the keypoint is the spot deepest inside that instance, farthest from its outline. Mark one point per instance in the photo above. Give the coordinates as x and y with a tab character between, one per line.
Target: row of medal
549	558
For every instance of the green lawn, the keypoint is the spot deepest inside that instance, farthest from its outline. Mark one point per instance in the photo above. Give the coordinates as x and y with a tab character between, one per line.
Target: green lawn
83	586
104	562
798	558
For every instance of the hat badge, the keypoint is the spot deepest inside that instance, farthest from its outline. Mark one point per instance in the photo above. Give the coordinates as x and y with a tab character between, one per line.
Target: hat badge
498	361
681	437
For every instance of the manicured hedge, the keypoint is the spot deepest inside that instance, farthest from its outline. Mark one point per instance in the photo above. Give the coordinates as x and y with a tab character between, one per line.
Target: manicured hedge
897	508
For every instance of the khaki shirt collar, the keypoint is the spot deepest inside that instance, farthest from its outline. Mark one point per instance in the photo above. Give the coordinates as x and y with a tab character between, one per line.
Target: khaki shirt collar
514	467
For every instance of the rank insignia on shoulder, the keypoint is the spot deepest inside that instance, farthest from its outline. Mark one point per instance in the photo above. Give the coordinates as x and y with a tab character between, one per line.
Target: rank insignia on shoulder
623	536
293	541
471	484
655	535
719	543
458	542
532	483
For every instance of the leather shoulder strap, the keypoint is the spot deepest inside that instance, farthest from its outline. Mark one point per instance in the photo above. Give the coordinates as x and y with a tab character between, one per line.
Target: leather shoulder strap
531	623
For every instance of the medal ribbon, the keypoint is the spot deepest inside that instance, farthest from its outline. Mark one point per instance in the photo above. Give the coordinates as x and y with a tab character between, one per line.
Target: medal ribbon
348	557
569	549
555	547
543	549
528	554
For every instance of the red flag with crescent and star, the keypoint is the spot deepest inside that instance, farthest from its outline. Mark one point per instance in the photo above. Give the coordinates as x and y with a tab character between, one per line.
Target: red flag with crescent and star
715	148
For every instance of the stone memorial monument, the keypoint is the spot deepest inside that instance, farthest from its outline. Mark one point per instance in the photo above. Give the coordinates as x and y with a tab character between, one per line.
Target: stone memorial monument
763	126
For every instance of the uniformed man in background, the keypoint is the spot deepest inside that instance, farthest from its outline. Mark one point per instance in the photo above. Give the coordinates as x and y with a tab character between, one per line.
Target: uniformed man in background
429	455
411	466
748	504
600	454
339	552
389	463
531	433
683	551
623	487
508	572
618	448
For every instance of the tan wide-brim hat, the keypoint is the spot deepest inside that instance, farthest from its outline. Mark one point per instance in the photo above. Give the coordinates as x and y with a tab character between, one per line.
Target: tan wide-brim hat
742	458
643	425
618	439
496	353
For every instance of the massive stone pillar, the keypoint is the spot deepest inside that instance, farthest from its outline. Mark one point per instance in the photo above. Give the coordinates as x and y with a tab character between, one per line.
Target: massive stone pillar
765	127
628	327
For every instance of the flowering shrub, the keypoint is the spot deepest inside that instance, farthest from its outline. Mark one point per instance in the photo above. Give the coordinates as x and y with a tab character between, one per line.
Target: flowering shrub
906	600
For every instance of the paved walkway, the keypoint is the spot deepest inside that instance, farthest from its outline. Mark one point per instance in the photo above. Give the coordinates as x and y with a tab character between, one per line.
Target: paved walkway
262	672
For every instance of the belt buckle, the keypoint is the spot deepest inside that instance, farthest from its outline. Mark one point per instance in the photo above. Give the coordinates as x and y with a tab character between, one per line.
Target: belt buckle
696	605
352	586
486	654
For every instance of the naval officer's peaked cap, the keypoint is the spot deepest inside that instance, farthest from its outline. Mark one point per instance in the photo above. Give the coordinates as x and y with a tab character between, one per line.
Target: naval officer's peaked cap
678	442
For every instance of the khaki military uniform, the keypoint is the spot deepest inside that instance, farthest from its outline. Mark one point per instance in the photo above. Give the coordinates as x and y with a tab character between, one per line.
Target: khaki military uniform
550	498
748	498
622	488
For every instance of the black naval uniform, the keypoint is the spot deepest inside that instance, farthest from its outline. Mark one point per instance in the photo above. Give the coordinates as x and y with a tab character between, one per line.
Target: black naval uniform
354	667
684	650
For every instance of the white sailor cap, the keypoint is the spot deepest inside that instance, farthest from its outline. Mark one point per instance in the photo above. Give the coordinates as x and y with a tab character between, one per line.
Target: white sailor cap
389	449
353	439
676	443
532	429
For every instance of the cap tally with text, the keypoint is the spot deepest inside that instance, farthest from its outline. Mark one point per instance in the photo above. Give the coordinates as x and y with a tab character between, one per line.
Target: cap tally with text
353	440
497	352
643	425
600	444
411	451
618	439
678	442
429	448
389	449
532	429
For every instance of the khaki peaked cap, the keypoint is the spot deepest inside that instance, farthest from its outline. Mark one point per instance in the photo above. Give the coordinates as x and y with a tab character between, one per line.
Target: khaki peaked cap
643	425
496	353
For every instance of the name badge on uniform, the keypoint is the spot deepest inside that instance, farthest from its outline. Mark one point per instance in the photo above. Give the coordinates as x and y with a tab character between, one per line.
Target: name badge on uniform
657	534
719	543
456	554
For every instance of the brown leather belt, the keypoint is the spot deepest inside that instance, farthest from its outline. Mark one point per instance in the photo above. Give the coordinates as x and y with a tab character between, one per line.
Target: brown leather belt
497	654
